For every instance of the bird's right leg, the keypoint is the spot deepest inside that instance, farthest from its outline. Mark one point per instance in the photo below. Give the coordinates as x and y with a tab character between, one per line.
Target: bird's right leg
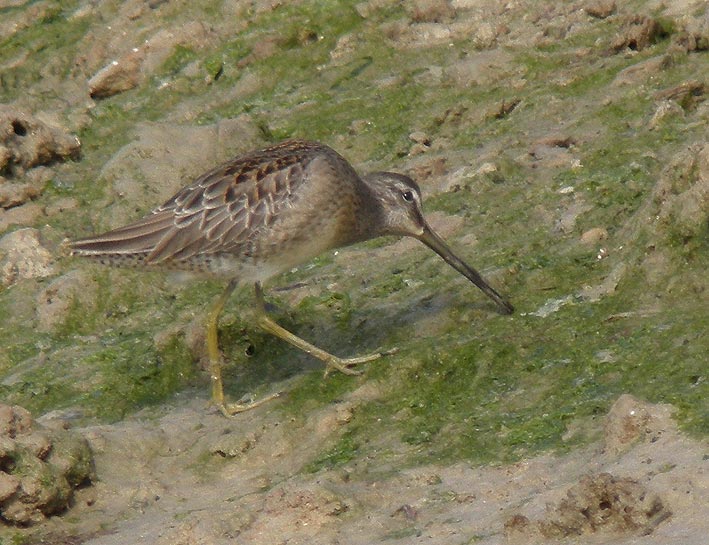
215	360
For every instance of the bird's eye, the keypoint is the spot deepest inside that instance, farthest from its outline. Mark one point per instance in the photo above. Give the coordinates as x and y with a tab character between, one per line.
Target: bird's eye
408	196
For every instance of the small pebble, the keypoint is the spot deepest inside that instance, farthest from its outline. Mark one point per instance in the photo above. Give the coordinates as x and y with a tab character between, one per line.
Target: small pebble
594	235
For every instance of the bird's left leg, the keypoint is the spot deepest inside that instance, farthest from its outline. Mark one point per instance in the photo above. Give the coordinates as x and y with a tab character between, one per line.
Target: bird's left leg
344	365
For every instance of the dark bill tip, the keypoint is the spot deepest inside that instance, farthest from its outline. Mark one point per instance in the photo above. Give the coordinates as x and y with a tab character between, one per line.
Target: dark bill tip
436	243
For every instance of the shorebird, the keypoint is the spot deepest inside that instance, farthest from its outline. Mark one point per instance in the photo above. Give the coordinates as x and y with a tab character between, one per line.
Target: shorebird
266	212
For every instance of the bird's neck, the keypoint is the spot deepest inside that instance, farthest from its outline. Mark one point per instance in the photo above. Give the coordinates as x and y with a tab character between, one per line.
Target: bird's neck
369	219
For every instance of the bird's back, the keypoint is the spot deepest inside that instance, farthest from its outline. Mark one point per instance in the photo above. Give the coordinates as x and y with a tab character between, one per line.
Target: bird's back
254	215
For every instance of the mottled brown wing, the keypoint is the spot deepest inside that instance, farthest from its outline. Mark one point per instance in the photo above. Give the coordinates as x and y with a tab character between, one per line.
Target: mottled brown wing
220	212
224	208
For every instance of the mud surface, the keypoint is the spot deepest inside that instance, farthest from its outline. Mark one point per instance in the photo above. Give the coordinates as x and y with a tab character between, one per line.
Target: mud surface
560	147
186	476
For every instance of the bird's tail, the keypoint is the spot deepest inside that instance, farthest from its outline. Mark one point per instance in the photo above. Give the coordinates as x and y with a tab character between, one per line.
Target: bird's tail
125	246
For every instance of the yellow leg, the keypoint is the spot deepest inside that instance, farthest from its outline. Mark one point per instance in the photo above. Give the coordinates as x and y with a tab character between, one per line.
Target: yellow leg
344	365
215	360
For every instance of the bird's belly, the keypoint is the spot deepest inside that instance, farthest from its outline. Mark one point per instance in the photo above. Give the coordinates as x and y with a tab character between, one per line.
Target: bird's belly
266	263
240	268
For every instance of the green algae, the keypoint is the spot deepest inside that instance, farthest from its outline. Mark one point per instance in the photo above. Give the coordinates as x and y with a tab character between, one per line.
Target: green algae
51	32
486	388
498	397
346	450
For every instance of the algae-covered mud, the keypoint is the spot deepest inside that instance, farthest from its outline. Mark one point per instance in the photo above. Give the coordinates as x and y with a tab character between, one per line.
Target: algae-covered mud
562	150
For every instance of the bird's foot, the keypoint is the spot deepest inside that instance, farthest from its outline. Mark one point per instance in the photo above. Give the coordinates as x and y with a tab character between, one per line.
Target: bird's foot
345	365
232	409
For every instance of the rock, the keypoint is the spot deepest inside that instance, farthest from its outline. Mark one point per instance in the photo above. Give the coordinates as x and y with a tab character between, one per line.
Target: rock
553	152
557	142
607	503
517	529
118	76
631	420
26	142
666	110
422	143
44	469
359	126
600	9
638	32
693	35
683	194
625	424
55	302
37	444
14	205
610	282
686	94
14	421
234	445
642	71
420	137
130	69
430	11
429	172
313	504
267	47
418	149
485	36
346	45
14	194
23	215
594	235
505	108
8	485
23	256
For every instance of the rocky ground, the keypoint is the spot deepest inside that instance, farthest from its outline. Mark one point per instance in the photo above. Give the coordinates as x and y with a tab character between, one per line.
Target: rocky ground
561	148
180	476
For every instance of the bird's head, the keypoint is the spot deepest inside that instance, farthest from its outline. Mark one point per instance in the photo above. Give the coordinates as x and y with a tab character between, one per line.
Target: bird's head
400	213
399	197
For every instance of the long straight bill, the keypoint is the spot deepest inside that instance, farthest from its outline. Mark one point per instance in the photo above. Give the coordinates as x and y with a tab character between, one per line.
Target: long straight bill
436	243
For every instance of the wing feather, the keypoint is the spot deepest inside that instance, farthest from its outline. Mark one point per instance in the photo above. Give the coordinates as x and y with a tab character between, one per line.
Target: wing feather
225	210
137	237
